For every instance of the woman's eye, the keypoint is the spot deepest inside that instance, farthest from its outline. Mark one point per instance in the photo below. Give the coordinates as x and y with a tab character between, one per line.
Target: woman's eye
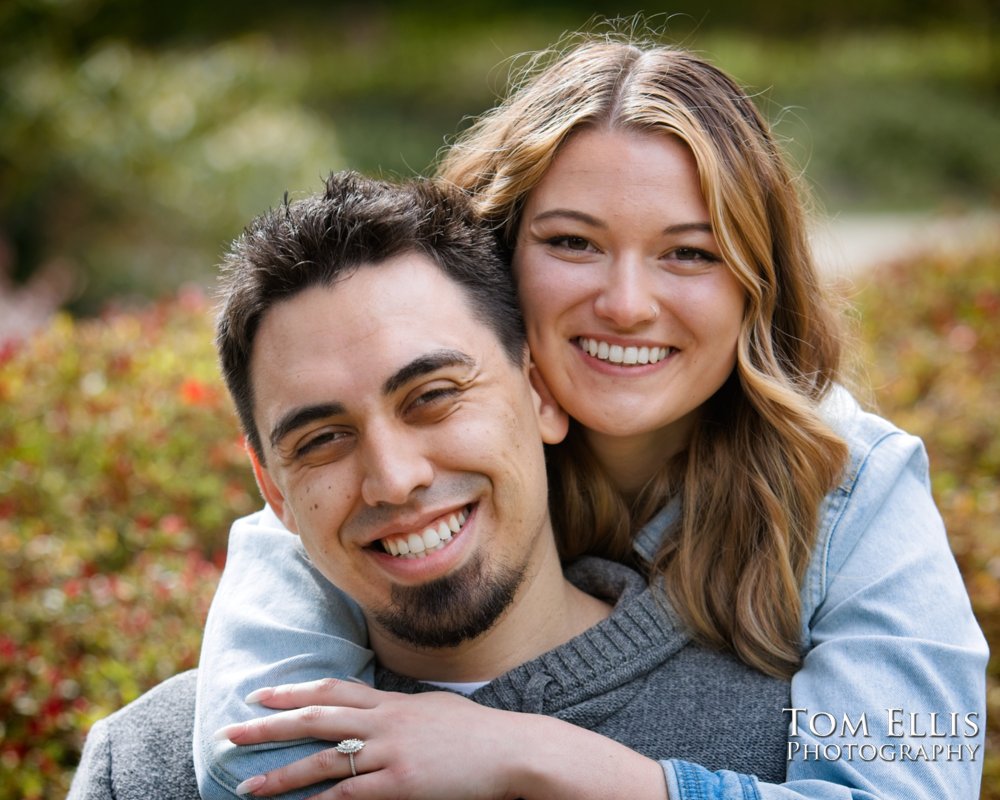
692	254
577	243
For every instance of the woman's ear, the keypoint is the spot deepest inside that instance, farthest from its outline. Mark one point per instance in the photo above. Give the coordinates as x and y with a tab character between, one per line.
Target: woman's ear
553	422
272	494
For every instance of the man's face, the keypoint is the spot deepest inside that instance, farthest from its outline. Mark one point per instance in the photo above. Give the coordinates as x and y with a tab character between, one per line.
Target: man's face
405	448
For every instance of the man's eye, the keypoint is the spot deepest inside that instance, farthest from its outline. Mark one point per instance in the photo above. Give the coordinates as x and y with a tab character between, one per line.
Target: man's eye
319	441
431	404
433	396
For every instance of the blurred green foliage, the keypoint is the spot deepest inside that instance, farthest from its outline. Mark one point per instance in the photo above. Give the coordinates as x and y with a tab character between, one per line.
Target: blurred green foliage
136	139
123	468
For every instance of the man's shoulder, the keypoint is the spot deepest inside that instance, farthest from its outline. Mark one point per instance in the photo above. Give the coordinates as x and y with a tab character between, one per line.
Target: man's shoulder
174	696
144	749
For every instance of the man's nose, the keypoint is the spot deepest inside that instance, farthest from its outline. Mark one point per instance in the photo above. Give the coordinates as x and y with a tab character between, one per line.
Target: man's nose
395	465
626	299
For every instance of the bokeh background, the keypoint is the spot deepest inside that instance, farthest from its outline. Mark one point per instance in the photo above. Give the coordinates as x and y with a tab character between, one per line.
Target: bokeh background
136	139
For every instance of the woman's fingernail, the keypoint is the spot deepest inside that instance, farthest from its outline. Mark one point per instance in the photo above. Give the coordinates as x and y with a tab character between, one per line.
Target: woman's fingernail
251	784
227	732
259	695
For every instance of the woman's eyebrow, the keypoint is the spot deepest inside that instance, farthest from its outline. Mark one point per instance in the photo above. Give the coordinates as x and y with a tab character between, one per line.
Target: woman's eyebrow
570	214
688	227
424	364
566	213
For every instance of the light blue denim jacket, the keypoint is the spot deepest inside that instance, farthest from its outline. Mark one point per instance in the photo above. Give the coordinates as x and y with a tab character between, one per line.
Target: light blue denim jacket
890	694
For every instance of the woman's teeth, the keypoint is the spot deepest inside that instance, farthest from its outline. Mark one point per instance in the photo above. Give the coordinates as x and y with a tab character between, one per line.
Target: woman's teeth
619	354
417	545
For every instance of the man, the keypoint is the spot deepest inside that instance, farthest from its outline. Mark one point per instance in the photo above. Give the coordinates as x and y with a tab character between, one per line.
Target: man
373	346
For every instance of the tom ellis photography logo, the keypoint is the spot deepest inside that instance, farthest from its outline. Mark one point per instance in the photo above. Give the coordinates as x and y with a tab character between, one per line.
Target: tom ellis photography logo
893	734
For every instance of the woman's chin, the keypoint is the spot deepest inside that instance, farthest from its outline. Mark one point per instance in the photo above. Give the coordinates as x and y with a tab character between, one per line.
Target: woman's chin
638	426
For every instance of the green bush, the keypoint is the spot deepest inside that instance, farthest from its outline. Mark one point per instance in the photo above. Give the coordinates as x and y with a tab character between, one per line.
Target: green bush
123	467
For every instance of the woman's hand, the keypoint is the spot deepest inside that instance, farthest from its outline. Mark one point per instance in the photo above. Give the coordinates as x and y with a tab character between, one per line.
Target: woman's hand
427	745
437	746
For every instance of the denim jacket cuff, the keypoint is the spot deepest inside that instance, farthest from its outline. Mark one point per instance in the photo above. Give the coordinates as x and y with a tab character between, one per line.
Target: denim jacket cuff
687	781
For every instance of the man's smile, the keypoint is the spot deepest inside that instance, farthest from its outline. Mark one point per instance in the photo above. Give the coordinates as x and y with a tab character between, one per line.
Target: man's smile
432	537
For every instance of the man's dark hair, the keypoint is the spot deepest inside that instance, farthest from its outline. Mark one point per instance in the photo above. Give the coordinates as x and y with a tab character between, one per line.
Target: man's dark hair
357	222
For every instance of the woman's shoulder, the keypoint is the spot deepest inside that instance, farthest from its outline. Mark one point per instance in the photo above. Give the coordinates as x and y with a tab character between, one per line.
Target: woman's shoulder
861	429
878	450
885	484
881	456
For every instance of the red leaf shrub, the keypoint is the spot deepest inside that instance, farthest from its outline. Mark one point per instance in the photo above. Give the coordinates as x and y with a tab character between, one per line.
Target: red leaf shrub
123	467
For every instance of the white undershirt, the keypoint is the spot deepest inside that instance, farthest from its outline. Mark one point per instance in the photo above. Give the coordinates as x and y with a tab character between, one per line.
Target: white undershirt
464	687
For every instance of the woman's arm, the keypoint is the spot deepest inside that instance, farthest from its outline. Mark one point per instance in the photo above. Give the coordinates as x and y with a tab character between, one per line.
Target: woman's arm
891	692
892	638
439	745
274	619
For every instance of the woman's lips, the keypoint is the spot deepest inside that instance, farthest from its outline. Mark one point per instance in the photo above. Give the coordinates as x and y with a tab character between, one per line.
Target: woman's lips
623	355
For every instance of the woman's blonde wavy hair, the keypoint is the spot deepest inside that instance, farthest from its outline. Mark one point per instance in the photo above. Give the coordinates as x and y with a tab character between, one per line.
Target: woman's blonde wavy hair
761	459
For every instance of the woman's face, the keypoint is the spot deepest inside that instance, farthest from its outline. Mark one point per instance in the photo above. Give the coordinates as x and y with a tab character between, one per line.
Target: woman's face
632	315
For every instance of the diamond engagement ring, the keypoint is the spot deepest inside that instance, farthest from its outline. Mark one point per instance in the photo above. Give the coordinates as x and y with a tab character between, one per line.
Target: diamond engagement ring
349	747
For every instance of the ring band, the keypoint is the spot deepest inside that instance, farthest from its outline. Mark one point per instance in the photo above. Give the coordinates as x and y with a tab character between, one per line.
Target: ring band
349	747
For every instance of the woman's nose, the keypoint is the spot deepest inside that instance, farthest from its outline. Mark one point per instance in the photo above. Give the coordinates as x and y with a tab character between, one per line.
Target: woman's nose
625	300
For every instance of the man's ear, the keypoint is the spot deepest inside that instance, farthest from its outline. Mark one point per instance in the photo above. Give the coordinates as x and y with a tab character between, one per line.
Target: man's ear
553	422
269	489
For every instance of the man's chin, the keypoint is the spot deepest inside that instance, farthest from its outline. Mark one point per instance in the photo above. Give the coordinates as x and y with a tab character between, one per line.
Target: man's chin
453	609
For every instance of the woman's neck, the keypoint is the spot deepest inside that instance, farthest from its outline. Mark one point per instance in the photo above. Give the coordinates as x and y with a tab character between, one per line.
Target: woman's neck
630	461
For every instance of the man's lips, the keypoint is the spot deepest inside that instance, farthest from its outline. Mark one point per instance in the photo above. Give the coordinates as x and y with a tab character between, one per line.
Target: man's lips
430	538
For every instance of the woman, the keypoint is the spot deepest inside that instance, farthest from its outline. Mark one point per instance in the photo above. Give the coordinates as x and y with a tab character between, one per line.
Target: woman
674	311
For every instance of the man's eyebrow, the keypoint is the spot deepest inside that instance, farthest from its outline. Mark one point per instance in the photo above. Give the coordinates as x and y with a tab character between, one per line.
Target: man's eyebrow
422	365
303	415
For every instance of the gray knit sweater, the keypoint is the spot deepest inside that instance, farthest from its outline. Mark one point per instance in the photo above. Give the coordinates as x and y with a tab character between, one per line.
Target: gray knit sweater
635	677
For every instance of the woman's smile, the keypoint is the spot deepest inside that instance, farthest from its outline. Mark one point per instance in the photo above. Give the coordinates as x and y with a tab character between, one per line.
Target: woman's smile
627	355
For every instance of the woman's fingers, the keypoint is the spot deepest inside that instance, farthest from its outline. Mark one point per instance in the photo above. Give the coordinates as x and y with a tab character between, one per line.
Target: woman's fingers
403	753
328	764
325	692
332	723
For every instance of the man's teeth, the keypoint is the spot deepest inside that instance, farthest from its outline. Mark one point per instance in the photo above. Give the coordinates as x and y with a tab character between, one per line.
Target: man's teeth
618	354
417	545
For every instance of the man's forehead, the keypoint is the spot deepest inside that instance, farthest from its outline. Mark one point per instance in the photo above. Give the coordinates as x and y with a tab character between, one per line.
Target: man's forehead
408	293
361	331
